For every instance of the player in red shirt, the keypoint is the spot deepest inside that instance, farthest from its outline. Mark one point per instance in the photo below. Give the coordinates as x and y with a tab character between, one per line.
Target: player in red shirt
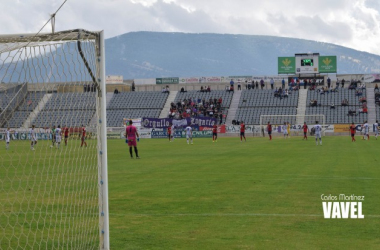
131	134
83	137
66	132
214	133
305	130
269	129
170	132
242	132
353	131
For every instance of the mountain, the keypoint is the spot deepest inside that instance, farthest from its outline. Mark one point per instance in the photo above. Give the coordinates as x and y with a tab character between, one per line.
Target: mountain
158	54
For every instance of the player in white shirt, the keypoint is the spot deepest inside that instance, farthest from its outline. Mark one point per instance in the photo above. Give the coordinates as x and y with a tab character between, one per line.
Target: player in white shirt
189	134
33	138
285	130
58	135
318	133
7	138
173	132
376	128
366	131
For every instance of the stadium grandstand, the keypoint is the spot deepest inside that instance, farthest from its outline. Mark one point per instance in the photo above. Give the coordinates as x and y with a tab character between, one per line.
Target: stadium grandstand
134	105
27	106
75	107
341	107
68	109
254	103
213	103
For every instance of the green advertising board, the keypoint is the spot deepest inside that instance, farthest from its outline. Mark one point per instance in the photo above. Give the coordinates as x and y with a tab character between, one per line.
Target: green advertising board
327	64
199	134
167	80
286	65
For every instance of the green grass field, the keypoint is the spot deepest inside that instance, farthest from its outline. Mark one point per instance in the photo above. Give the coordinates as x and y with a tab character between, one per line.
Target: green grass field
229	195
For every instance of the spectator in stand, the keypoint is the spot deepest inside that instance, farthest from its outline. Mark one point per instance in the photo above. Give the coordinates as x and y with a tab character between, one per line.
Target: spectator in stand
345	102
220	101
116	92
337	83
272	83
239	86
183	90
276	94
262	83
283	83
376	87
343	81
232	88
286	94
232	83
133	86
328	82
208	89
304	83
202	89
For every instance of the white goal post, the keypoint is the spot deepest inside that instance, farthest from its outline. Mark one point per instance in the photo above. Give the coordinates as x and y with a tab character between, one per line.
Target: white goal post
53	159
295	121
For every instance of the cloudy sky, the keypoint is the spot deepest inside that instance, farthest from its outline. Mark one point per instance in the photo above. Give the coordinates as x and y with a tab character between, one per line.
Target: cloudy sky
351	23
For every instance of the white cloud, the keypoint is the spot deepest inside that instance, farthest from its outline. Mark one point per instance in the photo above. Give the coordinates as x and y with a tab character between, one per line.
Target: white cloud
351	23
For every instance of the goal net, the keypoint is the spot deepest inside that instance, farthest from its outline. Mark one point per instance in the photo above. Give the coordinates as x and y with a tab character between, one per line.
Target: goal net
53	155
295	121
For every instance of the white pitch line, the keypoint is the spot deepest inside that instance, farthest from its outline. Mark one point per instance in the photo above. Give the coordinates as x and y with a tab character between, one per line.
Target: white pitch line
199	215
231	215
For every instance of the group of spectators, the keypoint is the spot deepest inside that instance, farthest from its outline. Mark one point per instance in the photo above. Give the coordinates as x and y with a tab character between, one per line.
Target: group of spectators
281	93
89	88
165	89
197	107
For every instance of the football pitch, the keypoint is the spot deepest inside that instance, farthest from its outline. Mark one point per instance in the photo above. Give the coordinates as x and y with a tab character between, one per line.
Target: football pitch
229	195
258	194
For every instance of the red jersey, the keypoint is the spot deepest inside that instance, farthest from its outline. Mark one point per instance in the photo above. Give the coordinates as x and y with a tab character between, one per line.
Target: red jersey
169	130
131	132
353	129
66	131
214	129
269	128
304	128
242	127
83	132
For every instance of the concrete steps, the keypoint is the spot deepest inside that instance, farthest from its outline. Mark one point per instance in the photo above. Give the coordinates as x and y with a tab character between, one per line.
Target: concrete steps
28	122
165	111
371	105
94	121
233	107
301	109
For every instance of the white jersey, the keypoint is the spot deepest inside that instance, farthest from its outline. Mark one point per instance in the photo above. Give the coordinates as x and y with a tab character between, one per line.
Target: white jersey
172	129
285	129
33	136
188	130
7	136
318	130
58	134
376	127
366	128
